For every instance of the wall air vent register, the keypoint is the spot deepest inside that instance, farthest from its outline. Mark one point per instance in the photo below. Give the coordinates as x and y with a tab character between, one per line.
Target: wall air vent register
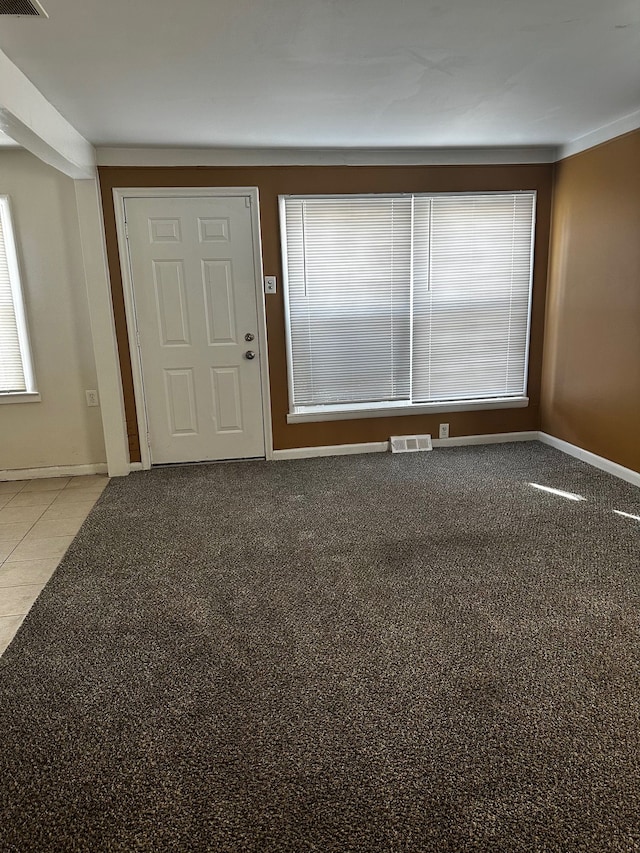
22	7
410	443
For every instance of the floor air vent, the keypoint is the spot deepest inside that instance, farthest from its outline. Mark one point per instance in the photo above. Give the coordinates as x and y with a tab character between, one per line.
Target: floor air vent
22	7
410	443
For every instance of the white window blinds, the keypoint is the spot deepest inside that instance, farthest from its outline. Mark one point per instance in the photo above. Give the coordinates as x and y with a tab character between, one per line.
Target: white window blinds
407	300
13	376
349	282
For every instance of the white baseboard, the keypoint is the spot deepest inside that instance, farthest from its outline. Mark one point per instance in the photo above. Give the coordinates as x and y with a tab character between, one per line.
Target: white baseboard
56	471
331	450
459	441
490	438
600	462
383	446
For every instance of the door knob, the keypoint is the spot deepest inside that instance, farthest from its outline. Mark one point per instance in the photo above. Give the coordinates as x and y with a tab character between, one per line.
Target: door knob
249	354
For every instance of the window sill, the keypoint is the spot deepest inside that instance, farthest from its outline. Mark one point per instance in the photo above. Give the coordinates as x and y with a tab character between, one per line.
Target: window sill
385	410
20	397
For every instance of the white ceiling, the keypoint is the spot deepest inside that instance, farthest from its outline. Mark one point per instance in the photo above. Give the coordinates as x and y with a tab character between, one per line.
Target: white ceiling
333	73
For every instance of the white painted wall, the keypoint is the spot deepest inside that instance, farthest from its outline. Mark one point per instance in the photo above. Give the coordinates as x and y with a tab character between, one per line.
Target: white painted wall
60	430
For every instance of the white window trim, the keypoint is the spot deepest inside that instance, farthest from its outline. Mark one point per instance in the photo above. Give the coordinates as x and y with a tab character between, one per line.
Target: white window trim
19	397
31	394
355	411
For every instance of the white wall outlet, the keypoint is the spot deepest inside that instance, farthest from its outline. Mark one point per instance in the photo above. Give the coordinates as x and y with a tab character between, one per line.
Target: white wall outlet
92	398
269	284
444	431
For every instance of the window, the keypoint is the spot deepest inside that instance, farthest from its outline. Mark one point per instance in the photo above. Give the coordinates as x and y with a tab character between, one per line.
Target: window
16	374
406	302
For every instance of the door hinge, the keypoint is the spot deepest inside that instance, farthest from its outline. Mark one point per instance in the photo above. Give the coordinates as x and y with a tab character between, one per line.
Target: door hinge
138	338
126	229
247	201
148	441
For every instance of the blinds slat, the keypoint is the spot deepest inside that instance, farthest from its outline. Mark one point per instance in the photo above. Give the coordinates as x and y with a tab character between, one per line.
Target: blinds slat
416	299
348	265
12	376
471	325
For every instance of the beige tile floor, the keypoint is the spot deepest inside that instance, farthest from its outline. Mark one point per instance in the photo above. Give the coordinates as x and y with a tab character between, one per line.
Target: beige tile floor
38	521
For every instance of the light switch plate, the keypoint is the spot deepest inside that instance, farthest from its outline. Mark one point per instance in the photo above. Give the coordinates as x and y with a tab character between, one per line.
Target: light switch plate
269	284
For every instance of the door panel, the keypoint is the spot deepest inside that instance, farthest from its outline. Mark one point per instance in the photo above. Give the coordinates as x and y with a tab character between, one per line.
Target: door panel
219	303
181	402
164	231
192	263
227	399
171	301
214	230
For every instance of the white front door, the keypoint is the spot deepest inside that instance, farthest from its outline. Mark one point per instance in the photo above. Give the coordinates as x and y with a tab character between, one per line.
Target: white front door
194	290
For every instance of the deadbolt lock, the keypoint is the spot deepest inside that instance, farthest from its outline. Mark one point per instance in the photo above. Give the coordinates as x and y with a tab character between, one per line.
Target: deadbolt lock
249	336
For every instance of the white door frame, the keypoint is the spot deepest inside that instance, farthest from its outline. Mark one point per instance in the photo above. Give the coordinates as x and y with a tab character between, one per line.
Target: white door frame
120	195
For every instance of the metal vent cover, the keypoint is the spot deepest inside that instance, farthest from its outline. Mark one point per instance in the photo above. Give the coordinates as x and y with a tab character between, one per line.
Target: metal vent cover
410	443
22	7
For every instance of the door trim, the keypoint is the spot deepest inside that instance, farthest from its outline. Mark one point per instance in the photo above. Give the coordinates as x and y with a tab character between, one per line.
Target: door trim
120	195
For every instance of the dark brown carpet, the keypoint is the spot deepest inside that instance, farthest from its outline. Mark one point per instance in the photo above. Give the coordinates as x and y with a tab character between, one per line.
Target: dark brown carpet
377	653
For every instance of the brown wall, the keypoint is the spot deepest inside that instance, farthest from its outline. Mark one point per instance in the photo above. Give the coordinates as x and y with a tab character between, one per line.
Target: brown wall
591	377
272	181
